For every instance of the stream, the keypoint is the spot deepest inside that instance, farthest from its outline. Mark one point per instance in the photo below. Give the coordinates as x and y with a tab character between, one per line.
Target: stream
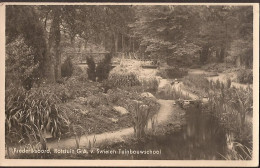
201	138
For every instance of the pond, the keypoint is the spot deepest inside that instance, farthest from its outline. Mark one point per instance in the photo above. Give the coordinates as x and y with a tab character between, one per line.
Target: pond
201	138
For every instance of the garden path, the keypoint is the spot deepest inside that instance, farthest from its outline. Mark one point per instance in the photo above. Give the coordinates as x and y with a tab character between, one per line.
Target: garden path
165	111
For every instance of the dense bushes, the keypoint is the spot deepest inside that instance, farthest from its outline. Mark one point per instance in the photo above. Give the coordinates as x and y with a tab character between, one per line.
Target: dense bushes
172	73
245	76
67	68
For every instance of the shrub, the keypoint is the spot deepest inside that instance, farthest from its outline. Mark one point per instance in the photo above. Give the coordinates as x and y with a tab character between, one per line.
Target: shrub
80	74
122	77
104	67
150	84
245	76
78	88
93	101
67	68
162	73
198	81
123	80
172	73
195	66
20	65
77	71
91	68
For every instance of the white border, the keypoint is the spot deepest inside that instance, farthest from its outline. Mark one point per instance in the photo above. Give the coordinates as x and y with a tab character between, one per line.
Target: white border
201	163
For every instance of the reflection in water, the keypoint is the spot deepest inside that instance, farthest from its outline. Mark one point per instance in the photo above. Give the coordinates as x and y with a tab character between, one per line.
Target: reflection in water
200	138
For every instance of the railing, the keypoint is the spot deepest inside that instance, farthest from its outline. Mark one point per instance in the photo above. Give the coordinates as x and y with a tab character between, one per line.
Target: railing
145	63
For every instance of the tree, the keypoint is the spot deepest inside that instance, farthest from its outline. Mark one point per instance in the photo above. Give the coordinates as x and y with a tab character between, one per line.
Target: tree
181	31
23	21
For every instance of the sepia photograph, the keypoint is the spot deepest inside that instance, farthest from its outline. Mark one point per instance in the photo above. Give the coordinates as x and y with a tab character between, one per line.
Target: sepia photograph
143	82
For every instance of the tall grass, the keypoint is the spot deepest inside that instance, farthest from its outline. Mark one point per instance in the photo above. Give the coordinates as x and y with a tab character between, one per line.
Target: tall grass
142	112
238	151
140	118
172	93
231	106
30	115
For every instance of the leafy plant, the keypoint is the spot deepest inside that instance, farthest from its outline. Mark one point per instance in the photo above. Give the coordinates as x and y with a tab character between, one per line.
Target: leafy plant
31	114
238	152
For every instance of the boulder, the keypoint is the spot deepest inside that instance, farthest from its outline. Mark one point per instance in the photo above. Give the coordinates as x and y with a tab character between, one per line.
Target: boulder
120	109
147	94
114	120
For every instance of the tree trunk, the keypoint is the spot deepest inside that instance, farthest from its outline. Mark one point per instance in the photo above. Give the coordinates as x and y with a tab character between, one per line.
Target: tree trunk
49	66
72	41
222	54
54	43
204	54
116	42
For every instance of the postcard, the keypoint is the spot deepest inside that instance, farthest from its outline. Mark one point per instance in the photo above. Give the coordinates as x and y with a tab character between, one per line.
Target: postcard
129	84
